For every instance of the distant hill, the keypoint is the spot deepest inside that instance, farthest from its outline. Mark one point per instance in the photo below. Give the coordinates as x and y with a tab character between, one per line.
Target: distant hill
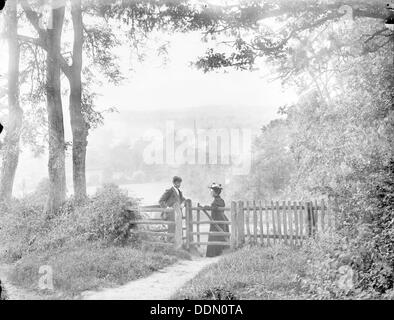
128	125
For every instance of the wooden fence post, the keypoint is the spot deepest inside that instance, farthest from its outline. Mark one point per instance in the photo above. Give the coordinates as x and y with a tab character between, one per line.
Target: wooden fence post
247	220
240	220
189	223
309	218
267	222
290	212
278	224
198	225
323	216
296	223
233	235
178	226
302	219
255	222
261	221
285	216
273	223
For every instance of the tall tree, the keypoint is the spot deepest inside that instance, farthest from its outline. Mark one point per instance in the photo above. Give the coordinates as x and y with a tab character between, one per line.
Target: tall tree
82	115
56	161
50	40
15	112
79	125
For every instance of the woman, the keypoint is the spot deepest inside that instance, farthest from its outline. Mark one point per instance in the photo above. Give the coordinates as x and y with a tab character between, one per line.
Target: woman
218	215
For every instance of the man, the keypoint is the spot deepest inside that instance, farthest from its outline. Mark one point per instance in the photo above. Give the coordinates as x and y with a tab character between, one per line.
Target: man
169	198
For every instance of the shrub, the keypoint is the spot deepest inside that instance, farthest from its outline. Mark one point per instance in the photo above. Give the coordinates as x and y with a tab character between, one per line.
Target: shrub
376	269
328	273
21	224
105	217
26	228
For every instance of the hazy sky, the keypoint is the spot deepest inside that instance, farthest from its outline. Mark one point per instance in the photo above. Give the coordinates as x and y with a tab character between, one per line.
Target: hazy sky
154	85
178	85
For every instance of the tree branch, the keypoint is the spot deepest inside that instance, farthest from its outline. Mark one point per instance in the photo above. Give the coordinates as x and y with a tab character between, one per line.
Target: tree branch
38	42
34	19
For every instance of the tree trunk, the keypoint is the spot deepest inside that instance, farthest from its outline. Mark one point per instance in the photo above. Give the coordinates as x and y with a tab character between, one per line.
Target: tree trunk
56	162
15	113
79	127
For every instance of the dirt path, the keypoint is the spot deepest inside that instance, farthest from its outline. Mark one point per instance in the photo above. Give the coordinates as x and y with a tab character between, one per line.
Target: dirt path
160	285
13	292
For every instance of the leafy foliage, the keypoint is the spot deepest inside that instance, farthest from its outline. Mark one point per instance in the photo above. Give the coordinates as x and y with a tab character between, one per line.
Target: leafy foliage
246	24
273	163
103	218
340	131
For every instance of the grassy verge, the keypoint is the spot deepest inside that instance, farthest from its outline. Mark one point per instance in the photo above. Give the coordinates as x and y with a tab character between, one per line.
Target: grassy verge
90	266
250	273
87	244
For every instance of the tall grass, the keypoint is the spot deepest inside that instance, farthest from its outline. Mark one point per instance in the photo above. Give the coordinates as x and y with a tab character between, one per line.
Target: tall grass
89	266
250	273
321	269
87	245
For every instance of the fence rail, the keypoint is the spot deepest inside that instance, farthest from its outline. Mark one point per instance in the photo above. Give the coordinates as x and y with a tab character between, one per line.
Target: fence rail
257	222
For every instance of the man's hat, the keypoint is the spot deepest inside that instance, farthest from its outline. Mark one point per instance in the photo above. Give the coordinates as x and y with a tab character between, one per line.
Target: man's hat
216	186
176	178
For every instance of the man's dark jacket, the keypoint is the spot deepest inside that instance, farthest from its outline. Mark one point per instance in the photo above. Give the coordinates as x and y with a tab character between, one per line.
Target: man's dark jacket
170	197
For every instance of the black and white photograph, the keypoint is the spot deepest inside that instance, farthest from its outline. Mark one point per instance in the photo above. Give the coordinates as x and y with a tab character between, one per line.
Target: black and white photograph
182	151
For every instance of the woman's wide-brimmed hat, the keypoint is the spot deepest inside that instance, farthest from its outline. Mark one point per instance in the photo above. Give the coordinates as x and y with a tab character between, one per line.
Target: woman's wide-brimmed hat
216	186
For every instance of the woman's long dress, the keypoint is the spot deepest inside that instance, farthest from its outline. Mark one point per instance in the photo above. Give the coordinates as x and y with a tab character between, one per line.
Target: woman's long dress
218	215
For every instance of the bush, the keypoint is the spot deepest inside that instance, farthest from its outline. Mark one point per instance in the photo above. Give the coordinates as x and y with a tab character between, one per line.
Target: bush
21	224
368	226
105	216
25	227
376	269
329	272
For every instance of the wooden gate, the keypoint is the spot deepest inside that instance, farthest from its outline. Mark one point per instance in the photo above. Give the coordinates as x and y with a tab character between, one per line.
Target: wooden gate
154	230
251	222
198	222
